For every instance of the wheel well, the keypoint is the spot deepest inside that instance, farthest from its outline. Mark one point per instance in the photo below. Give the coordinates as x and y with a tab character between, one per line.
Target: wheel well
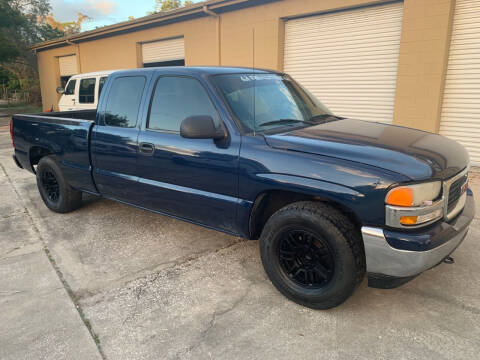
269	202
36	153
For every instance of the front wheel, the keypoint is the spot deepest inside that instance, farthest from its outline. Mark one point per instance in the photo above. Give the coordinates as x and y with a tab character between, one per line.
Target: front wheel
313	254
56	193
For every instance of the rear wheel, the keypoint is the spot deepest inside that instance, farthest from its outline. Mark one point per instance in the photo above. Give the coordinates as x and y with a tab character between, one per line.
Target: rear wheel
313	254
56	193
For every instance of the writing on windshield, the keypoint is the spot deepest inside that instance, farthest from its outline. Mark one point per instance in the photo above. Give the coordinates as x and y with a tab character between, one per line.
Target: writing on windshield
267	101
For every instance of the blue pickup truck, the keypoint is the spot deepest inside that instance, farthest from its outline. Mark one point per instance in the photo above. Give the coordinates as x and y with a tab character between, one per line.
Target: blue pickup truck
254	154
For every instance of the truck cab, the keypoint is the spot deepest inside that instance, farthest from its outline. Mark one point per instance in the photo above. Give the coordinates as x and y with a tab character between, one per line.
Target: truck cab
82	91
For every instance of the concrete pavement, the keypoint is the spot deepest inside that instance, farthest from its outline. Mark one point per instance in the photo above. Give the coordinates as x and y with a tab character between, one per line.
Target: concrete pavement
151	287
38	318
5	141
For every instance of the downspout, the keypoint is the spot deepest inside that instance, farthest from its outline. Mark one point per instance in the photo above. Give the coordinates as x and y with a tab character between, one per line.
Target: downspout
207	11
77	52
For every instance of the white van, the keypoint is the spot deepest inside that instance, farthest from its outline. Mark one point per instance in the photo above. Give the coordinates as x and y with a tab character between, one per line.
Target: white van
82	91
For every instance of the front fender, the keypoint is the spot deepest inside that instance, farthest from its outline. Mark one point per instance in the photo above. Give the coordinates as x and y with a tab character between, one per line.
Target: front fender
321	190
312	187
302	188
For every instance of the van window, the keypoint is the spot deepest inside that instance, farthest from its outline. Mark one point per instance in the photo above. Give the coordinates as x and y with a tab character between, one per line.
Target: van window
86	94
64	80
70	90
101	82
123	101
176	98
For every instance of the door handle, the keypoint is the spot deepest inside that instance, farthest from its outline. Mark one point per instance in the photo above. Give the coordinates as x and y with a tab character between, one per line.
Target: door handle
147	148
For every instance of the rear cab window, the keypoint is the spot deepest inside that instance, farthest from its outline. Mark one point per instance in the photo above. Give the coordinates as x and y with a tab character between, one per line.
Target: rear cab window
123	102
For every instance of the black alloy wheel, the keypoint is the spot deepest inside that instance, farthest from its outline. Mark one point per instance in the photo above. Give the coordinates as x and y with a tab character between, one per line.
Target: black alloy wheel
50	185
56	192
306	258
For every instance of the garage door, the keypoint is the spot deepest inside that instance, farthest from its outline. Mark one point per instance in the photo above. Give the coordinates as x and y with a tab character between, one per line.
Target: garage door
164	51
68	65
460	117
348	59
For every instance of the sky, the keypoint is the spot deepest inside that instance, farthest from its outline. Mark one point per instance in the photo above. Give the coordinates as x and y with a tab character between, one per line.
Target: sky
102	12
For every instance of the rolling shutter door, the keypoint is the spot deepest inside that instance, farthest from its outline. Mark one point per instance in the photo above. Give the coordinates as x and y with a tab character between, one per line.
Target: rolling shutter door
164	50
348	59
460	119
68	65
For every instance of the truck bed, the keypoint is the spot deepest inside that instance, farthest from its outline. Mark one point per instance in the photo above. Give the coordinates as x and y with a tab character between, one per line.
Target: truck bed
63	134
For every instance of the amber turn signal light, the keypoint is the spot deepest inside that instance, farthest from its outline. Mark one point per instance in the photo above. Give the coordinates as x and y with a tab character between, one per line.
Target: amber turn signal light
408	220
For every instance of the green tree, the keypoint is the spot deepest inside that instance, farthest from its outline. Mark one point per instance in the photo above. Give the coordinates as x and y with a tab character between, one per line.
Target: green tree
21	26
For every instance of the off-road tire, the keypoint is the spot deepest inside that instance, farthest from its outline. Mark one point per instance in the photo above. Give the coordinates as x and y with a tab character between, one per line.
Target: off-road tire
341	237
68	199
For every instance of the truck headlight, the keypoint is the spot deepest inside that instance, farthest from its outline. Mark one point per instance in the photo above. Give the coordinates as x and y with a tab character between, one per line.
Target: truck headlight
414	205
414	195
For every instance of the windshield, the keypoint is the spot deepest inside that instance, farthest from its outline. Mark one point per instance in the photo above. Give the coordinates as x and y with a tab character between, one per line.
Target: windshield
263	102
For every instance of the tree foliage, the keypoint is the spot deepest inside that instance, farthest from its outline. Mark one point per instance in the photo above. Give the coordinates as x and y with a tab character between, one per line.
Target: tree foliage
67	28
167	5
21	26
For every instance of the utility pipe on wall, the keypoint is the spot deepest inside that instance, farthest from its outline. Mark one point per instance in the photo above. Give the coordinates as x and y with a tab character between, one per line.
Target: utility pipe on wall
207	11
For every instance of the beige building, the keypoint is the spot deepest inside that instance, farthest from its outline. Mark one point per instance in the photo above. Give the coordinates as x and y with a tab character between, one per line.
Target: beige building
413	62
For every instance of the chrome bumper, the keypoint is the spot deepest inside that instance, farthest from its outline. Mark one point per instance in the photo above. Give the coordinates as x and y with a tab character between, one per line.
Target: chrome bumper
386	260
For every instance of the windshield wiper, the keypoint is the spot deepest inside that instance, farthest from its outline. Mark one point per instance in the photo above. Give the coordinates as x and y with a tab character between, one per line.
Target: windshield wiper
284	121
323	118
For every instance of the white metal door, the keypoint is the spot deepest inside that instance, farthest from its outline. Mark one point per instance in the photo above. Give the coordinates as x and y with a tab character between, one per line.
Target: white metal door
348	59
163	50
460	119
69	98
68	65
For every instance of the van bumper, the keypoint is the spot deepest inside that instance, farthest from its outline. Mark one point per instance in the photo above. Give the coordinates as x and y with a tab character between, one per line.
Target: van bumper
394	258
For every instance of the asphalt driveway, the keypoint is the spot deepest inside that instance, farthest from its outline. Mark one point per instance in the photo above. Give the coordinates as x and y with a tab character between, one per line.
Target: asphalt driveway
115	282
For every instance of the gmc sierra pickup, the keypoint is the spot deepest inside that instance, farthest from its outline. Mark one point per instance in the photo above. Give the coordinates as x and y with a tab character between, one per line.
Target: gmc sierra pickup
254	154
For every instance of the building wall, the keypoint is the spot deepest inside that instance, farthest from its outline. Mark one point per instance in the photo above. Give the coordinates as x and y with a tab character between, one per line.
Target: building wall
121	52
423	63
266	24
254	36
50	73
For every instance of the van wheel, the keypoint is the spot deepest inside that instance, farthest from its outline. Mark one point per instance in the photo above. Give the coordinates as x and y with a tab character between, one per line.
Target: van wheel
313	254
56	193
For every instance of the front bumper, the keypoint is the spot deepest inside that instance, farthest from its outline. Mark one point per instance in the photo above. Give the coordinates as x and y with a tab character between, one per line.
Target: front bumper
397	263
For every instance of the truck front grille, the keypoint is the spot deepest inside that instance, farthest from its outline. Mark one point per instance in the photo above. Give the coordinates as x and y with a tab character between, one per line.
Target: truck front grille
454	192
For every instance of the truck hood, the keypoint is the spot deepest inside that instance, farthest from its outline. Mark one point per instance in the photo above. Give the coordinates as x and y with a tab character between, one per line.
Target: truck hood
416	154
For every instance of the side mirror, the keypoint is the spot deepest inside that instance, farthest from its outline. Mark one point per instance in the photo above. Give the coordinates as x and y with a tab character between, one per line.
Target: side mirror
60	90
200	127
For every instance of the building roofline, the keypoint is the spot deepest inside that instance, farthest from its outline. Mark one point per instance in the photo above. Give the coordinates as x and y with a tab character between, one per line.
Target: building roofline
157	19
211	70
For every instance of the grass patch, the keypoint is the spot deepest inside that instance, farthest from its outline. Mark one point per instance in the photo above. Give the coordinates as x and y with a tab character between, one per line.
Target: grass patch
10	109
